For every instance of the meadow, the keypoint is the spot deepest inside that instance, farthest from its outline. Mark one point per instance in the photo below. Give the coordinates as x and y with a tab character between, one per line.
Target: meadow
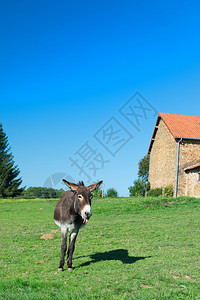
132	248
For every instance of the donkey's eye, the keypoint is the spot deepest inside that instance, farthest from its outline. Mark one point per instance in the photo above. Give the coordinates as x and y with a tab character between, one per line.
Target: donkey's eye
80	197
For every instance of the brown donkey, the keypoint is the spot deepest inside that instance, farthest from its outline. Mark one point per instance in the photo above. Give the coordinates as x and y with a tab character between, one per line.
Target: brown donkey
72	212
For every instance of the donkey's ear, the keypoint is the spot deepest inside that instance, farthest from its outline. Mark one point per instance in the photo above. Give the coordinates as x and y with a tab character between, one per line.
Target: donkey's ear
94	186
72	186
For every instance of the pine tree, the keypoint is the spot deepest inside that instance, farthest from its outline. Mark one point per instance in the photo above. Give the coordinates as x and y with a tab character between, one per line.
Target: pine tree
9	183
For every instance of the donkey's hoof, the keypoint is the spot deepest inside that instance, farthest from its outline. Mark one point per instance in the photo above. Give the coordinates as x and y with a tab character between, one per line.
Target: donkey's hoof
60	269
70	269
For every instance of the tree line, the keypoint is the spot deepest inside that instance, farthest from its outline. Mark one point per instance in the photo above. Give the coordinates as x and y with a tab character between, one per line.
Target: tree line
10	181
41	192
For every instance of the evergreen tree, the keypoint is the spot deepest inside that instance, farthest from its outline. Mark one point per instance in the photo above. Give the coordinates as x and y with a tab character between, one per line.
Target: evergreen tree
9	183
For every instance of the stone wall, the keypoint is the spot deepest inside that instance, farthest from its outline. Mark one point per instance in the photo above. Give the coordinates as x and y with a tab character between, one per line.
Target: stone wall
163	161
192	187
188	185
163	155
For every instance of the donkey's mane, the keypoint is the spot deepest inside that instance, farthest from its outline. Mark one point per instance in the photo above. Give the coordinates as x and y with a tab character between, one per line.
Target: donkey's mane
80	183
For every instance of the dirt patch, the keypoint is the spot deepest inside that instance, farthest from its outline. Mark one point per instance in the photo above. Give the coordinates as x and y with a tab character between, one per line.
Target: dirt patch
55	231
163	203
48	236
144	286
166	203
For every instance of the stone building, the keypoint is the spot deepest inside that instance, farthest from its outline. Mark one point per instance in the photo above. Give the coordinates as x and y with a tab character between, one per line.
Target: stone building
175	154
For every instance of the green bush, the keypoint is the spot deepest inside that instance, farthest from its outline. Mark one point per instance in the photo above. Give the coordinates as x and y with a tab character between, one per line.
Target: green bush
168	191
111	193
138	188
155	192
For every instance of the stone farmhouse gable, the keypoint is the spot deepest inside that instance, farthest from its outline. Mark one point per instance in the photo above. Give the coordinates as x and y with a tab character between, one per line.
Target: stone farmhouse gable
175	154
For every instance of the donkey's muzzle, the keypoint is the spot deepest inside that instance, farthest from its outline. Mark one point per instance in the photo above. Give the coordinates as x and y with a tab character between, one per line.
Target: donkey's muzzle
88	214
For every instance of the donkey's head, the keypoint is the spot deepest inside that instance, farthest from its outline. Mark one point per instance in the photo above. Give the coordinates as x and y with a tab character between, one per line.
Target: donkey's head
83	197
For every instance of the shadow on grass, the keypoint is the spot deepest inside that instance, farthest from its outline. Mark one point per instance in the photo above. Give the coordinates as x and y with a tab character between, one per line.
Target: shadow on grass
119	254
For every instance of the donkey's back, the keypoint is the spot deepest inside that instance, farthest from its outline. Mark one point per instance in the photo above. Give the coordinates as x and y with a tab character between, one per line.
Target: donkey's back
64	207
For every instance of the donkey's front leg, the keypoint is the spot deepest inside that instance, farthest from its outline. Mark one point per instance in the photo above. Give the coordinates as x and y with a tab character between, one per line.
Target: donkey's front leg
63	250
71	249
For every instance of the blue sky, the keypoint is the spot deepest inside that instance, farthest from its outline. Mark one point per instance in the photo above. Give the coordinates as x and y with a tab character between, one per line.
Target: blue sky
68	67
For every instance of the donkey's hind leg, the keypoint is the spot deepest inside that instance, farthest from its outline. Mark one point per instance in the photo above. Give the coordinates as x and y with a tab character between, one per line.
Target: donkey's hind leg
71	248
63	250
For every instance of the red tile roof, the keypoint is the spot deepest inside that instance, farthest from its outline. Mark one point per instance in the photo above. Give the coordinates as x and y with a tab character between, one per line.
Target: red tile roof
182	126
179	125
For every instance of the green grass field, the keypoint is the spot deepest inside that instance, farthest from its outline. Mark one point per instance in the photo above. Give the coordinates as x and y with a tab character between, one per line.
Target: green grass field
130	249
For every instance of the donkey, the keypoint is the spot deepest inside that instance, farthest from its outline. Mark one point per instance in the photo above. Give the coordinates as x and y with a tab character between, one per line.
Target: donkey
72	212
